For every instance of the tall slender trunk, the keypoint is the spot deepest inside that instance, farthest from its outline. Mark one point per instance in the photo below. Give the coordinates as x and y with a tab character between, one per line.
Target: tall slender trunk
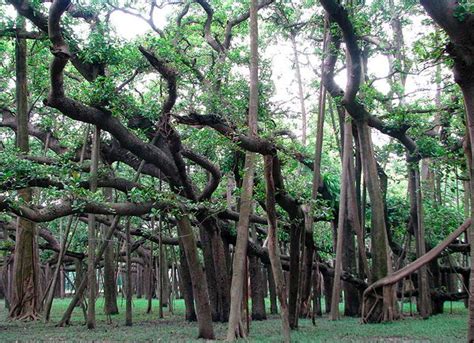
110	282
128	276
56	274
25	304
304	302
347	155
91	271
304	120
235	328
273	249
424	296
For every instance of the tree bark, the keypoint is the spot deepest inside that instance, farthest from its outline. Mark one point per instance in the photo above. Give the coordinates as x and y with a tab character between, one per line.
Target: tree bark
128	276
256	287
91	271
381	261
186	286
236	328
24	299
198	279
347	155
273	249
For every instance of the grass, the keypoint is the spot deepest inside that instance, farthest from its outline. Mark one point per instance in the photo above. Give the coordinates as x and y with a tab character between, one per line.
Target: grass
448	327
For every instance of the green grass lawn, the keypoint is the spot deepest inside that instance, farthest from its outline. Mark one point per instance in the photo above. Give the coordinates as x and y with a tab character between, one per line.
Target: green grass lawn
449	327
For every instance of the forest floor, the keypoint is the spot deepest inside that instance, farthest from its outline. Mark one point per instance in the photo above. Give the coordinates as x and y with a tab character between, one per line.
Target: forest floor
448	327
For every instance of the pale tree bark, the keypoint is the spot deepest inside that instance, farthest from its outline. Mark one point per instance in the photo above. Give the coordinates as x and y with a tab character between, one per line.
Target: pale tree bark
236	328
24	299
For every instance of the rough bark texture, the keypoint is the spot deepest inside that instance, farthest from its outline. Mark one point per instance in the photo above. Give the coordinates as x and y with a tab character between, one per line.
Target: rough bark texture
110	284
198	279
257	289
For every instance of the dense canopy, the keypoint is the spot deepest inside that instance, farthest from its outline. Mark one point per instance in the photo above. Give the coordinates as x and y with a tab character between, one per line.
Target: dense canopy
225	152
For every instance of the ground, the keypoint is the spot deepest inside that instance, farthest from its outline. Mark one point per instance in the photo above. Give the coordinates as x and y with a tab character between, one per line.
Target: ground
448	327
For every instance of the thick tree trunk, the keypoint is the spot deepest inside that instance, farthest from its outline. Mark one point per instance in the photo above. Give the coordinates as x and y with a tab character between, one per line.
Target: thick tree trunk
294	275
381	262
272	291
198	279
25	304
256	288
186	286
210	272
110	283
352	296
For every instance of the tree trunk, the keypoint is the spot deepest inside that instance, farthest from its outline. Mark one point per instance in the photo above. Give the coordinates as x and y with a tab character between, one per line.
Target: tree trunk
416	219
25	304
91	271
128	276
273	249
198	279
110	282
186	287
296	231
381	262
347	155
235	328
272	291
256	288
300	88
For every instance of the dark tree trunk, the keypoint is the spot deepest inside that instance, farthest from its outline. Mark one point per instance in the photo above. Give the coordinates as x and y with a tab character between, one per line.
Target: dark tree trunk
272	291
352	296
210	272
186	287
328	284
294	278
110	283
256	288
